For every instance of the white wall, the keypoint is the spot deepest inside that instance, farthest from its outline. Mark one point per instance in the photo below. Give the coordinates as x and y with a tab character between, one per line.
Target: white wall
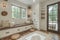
44	5
35	15
9	10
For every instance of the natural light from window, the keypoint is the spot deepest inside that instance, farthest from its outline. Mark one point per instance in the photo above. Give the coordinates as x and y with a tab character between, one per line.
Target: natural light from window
18	12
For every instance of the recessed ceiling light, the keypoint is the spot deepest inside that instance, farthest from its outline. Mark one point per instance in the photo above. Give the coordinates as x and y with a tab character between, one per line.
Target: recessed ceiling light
33	0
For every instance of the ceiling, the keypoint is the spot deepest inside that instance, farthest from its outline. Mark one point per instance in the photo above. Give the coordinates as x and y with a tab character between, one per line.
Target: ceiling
30	2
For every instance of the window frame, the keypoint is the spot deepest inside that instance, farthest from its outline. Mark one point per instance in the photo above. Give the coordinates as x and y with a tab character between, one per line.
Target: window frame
20	11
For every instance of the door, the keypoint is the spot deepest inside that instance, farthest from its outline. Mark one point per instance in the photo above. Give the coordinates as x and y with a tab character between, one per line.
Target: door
52	17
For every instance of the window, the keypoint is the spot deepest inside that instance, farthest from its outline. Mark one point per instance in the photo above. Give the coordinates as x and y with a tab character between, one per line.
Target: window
53	13
18	12
15	12
23	13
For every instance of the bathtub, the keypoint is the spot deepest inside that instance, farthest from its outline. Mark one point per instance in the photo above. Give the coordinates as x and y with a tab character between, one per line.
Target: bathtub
33	36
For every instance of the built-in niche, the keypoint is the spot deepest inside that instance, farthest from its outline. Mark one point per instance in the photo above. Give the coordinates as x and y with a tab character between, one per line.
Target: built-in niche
42	13
29	11
29	15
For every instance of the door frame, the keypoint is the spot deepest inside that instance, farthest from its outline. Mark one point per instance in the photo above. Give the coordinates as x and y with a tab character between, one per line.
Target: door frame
48	17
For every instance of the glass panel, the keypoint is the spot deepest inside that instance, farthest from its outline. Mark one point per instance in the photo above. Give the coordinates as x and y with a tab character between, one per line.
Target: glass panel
19	13
15	12
23	13
53	11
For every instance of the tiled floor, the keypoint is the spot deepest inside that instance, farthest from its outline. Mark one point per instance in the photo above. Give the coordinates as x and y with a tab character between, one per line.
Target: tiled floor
53	36
38	35
28	35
